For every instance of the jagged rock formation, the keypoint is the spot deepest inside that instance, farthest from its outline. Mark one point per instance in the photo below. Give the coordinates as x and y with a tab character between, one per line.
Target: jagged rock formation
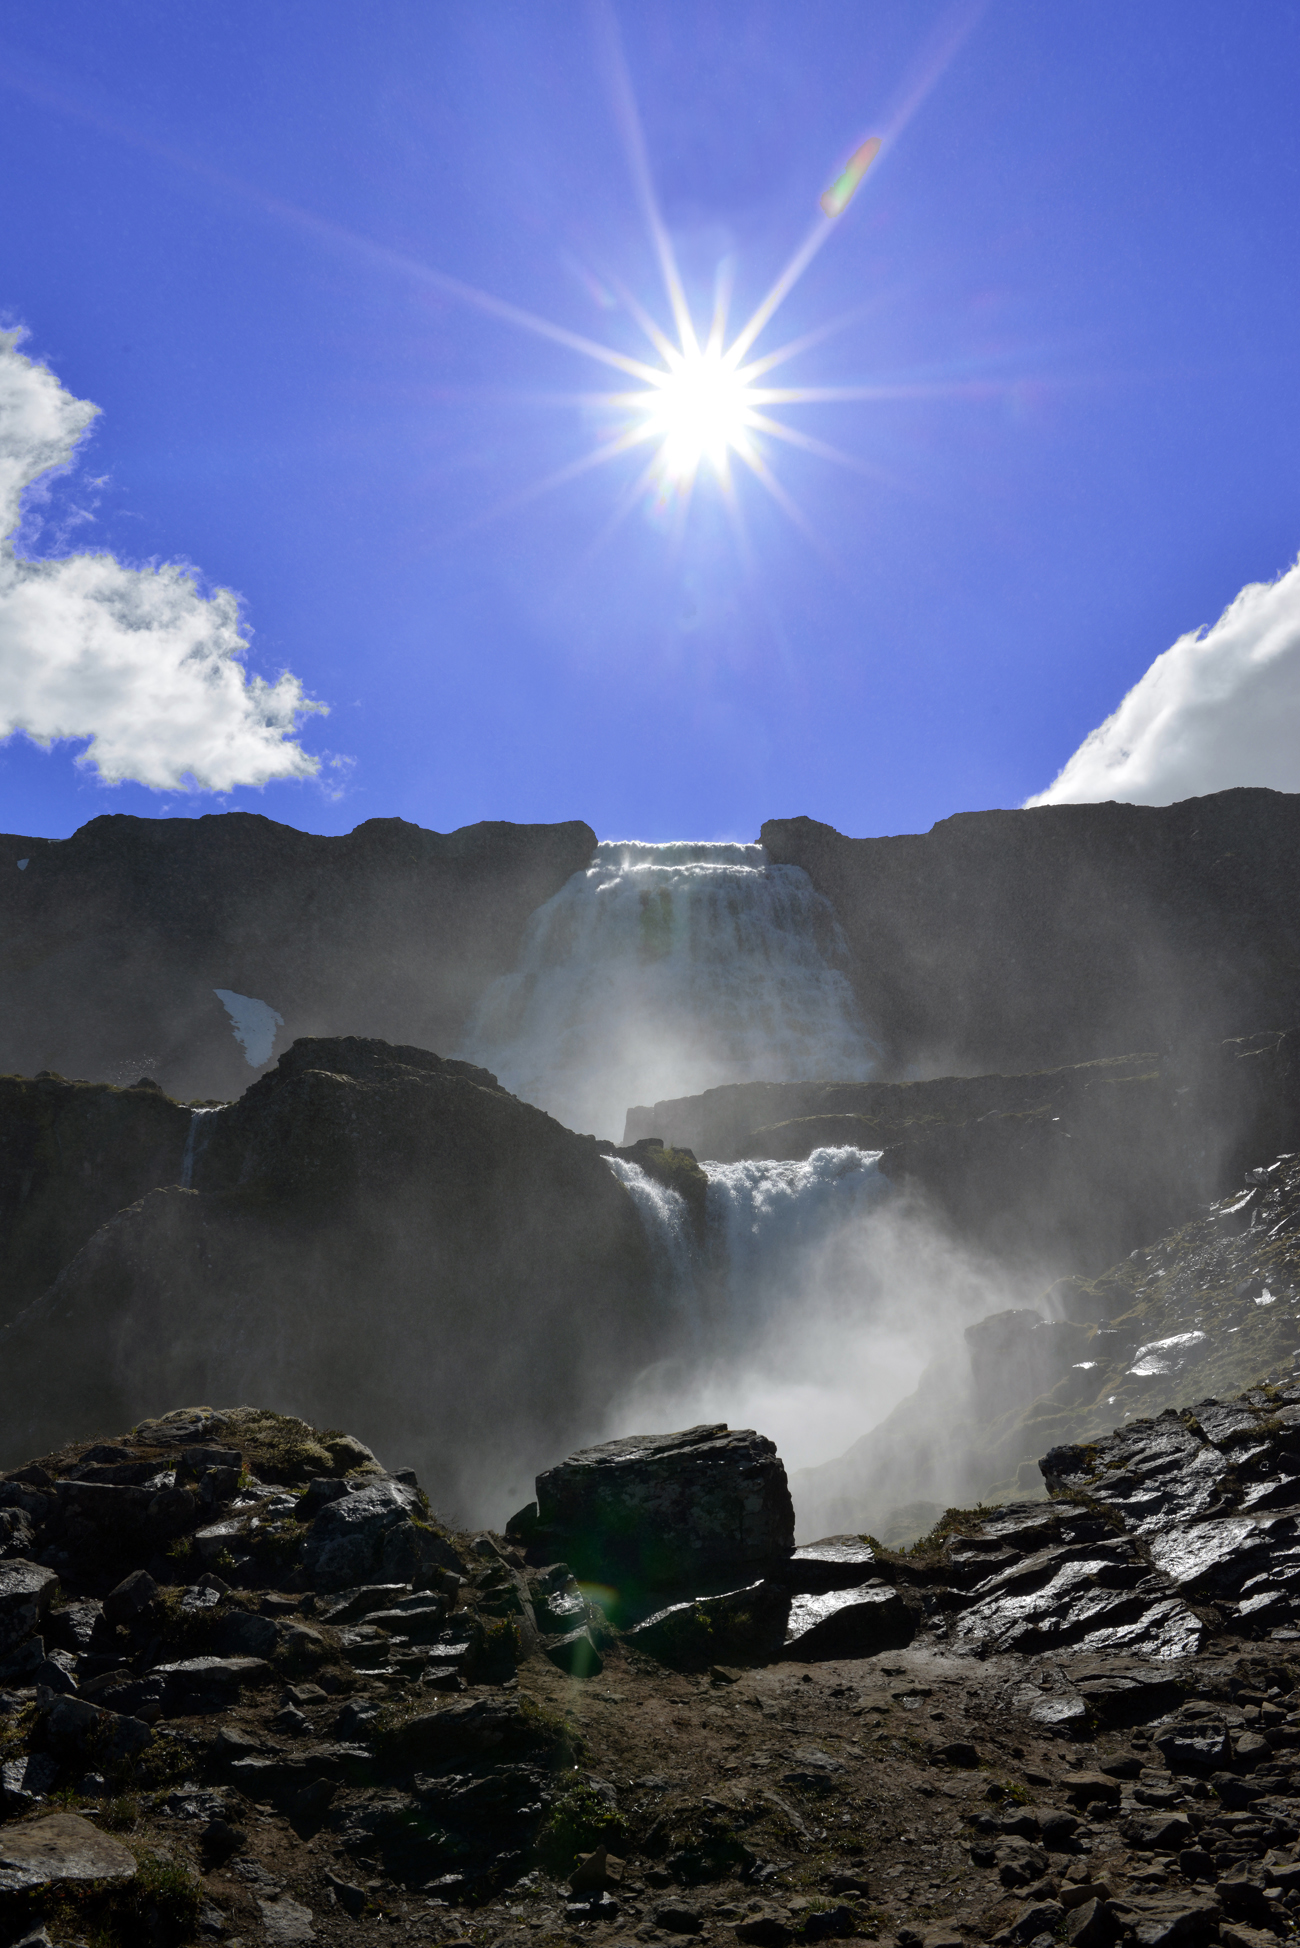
115	939
1210	1306
1030	938
388	1241
1068	1720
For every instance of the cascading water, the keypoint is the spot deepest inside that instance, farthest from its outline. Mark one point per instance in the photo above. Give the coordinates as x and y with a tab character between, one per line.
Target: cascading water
768	1220
668	1227
192	1146
664	970
798	1311
766	1223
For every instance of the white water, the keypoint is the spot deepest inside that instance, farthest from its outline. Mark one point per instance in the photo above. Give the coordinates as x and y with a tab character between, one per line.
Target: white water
667	1222
663	970
767	1222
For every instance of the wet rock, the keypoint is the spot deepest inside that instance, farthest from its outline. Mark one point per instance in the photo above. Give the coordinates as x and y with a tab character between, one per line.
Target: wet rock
203	1684
575	1653
62	1849
369	1535
837	1562
849	1623
24	1782
670	1510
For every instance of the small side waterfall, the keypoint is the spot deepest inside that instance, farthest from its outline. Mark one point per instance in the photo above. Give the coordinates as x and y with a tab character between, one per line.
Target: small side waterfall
193	1148
667	969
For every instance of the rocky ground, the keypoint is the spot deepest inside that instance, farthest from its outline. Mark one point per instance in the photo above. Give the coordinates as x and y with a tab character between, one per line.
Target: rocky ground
250	1691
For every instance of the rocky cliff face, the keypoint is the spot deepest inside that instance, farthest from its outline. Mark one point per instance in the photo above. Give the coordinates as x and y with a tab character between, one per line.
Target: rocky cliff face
114	940
388	1240
71	1155
1014	939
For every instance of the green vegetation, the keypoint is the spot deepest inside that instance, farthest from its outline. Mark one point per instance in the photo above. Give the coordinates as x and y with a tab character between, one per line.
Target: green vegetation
578	1822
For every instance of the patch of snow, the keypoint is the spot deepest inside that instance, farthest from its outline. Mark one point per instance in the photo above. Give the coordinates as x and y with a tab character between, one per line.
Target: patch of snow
23	864
1165	1355
254	1024
1266	1298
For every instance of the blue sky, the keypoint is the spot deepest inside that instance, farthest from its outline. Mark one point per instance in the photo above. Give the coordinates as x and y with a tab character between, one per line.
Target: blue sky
1072	272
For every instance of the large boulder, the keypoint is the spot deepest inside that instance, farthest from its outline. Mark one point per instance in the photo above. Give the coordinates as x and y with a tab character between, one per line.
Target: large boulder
670	1511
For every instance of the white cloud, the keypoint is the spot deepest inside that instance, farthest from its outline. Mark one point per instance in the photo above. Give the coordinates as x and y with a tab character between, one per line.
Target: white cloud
1221	708
134	659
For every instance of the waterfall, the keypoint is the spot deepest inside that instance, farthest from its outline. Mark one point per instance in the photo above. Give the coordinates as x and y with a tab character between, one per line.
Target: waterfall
769	1223
663	970
188	1154
667	1223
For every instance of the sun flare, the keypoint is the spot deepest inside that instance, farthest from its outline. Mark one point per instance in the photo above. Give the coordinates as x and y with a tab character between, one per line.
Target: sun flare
700	411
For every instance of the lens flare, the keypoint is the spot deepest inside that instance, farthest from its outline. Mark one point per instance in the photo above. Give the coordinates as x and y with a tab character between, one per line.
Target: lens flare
840	194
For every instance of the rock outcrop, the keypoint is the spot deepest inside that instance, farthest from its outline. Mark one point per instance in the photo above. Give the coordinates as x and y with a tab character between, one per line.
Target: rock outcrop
116	939
1027	938
73	1154
385	1239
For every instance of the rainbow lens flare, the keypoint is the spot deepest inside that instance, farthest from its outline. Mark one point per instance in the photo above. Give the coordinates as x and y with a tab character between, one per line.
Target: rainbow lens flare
840	194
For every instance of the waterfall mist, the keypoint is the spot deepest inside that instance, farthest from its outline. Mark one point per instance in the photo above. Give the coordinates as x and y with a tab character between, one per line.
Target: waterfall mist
811	1305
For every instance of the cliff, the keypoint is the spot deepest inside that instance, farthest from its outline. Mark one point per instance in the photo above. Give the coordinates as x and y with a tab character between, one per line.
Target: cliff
1033	938
380	1237
113	941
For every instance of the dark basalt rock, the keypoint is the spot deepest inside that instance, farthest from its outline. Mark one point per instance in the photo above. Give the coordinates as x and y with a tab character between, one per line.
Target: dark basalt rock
1004	938
669	1510
379	1237
849	1623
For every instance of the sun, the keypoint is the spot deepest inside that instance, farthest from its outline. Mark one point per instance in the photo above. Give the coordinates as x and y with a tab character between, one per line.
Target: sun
701	410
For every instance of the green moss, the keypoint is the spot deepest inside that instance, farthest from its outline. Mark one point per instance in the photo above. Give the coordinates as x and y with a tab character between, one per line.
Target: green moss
578	1822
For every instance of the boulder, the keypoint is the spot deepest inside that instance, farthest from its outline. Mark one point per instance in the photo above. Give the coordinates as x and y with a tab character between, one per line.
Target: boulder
25	1593
670	1510
62	1849
370	1534
745	1624
849	1623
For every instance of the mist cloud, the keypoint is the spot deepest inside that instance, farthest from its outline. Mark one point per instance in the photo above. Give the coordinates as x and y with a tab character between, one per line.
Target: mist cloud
1221	708
136	660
